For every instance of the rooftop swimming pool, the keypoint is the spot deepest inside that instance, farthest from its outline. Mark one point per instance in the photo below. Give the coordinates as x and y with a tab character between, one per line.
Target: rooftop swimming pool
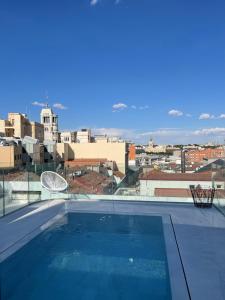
91	256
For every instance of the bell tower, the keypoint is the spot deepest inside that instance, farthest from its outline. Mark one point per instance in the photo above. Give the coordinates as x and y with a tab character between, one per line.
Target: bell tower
50	122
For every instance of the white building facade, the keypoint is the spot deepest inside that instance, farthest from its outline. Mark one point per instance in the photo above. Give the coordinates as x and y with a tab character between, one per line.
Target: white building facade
68	137
84	136
50	122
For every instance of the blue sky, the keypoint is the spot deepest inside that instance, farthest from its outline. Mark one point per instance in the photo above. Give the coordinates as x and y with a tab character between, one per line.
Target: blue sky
135	68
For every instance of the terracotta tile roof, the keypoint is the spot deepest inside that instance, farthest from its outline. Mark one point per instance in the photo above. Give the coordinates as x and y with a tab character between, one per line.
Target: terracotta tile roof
21	176
172	192
159	175
85	162
91	182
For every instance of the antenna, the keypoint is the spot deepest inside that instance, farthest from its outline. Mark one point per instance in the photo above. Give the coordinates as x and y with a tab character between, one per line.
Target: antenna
47	98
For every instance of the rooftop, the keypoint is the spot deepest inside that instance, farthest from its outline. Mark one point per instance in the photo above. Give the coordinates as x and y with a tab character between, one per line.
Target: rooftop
85	162
91	182
159	175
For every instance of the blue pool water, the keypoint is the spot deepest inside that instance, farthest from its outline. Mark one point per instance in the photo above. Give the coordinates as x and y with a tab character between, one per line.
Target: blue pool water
91	256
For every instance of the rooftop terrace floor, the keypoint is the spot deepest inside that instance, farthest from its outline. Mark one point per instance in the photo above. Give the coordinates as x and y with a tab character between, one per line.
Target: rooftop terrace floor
200	235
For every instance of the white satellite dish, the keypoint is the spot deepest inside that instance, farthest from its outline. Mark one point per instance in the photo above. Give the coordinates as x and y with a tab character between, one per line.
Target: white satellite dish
53	182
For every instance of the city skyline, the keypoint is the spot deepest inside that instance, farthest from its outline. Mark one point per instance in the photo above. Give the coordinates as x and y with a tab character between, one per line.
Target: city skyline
137	69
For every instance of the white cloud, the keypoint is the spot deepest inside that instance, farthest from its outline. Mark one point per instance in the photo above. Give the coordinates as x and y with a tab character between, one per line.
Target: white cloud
119	106
165	135
94	2
185	136
206	116
165	132
36	103
127	134
59	106
218	131
175	113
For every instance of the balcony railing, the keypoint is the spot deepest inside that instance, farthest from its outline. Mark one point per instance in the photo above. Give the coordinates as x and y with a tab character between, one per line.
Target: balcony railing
22	187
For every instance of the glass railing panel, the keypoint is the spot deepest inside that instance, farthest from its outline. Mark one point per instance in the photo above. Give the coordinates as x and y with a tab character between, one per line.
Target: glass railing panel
16	190
218	181
1	194
34	188
23	187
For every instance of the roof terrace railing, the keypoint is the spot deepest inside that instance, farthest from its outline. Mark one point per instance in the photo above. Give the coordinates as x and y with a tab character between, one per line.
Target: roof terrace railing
22	187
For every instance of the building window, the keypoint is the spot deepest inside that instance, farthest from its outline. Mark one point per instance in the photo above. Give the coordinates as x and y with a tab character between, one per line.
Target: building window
46	120
218	186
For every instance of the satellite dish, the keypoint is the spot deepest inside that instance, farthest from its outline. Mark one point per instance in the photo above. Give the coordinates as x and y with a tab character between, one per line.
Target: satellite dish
53	182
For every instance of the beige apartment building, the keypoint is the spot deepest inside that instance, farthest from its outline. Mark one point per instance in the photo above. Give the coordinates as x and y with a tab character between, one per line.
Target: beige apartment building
10	156
37	131
18	125
117	152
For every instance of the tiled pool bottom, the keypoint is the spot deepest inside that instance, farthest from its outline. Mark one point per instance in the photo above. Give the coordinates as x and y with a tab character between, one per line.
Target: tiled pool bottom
91	256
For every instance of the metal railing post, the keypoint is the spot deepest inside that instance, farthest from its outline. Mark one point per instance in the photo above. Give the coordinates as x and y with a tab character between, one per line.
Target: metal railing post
3	186
28	186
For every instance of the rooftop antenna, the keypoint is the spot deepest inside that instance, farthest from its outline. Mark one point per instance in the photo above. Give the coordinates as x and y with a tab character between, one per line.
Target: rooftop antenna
27	111
47	98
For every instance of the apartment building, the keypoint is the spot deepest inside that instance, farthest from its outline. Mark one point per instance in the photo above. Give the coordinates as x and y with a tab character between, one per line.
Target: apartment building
68	137
10	156
132	155
50	151
197	156
33	151
18	125
37	131
161	184
117	152
83	136
101	138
